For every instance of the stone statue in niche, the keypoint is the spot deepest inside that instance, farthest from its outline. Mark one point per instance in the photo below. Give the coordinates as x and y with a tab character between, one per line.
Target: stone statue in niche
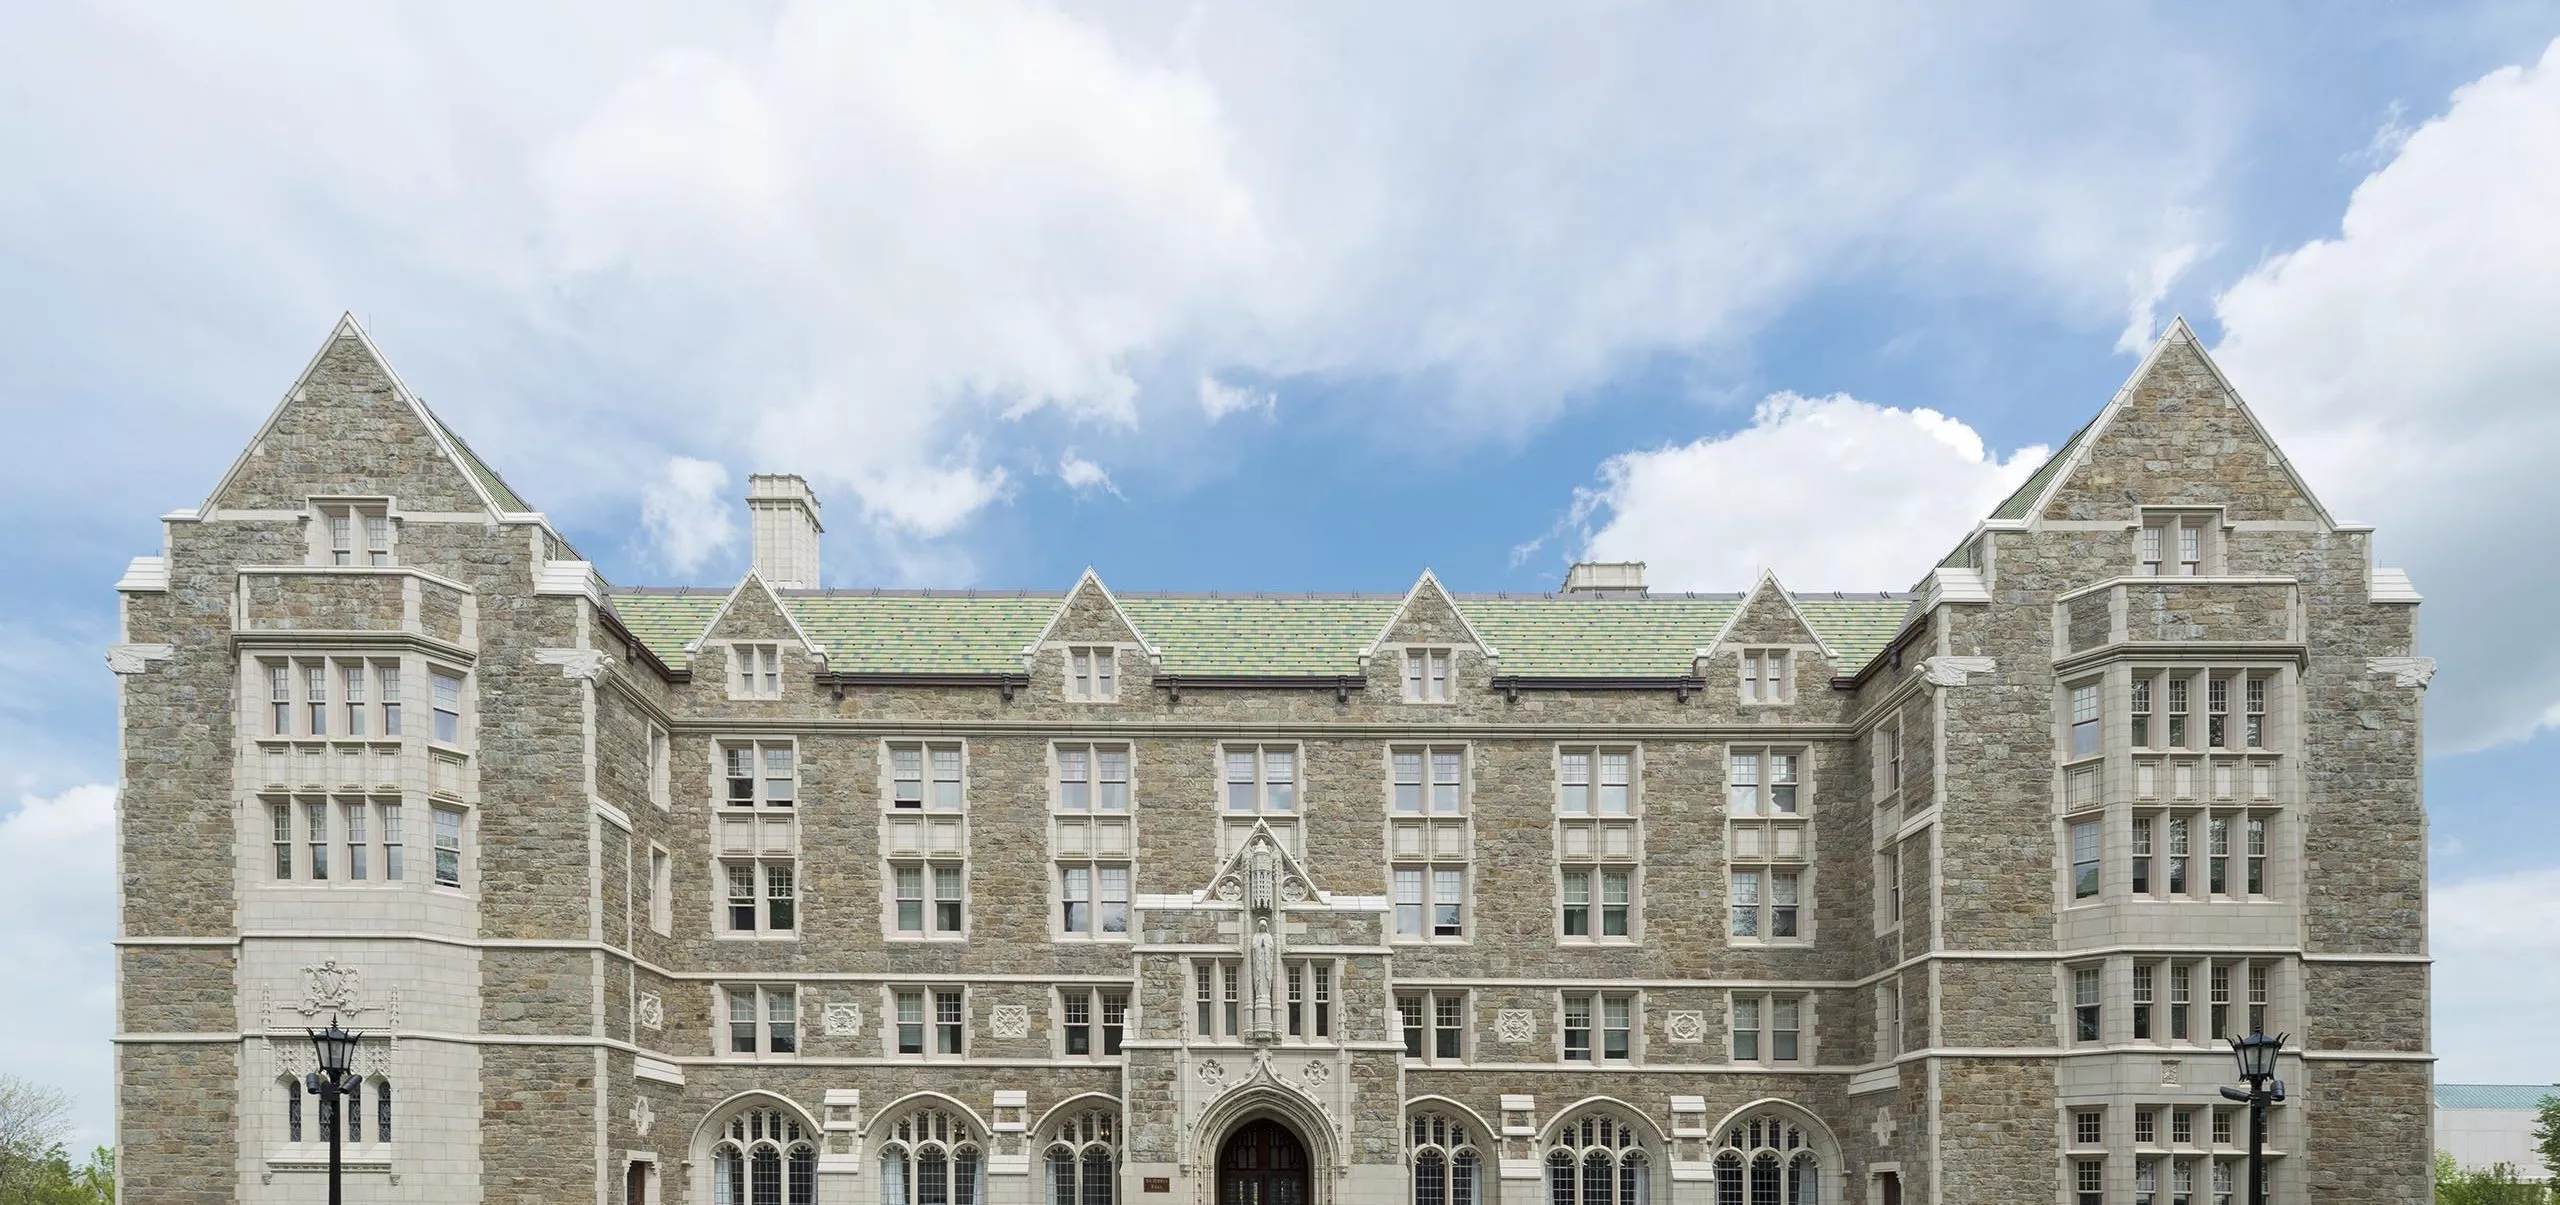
1262	969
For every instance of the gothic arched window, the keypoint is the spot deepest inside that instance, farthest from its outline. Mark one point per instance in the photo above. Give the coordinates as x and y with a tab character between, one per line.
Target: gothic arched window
1767	1160
1598	1160
1082	1170
928	1157
292	1108
1444	1161
764	1157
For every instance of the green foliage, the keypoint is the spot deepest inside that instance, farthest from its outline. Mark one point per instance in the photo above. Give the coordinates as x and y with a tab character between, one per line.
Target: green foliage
2496	1186
2546	1133
47	1177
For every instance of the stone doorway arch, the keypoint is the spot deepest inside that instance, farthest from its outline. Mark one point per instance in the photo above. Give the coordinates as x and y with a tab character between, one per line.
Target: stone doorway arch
1264	1162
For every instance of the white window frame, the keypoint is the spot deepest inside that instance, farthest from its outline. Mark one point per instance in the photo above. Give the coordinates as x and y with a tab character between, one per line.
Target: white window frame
355	533
661	886
2178	543
755	669
1430	859
1597	1029
1092	673
1766	1036
1433	1025
774	1023
1768	677
1596	842
459	845
1217	1009
661	766
938	1029
757	831
450	726
1889	1020
1430	674
1764	817
1283	811
942	890
924	829
1093	831
1098	1002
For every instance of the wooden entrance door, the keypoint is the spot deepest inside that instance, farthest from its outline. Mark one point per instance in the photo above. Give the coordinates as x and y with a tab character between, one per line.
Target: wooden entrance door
1262	1164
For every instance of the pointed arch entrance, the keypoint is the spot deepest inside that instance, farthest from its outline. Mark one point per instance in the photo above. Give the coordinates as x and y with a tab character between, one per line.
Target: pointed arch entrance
1263	1162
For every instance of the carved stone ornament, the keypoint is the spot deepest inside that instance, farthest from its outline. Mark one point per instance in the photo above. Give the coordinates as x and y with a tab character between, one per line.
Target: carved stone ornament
329	988
1009	1020
583	664
135	658
1515	1025
2405	671
1316	1073
842	1019
2173	1071
1686	1027
653	1012
642	1116
1212	1073
1231	889
1953	671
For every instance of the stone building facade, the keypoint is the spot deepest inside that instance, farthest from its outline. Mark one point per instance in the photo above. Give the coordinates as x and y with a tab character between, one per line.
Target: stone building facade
779	894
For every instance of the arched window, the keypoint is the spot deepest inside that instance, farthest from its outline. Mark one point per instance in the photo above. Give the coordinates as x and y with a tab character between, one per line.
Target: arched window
382	1108
1444	1161
1767	1160
764	1157
928	1157
1598	1160
292	1108
1082	1169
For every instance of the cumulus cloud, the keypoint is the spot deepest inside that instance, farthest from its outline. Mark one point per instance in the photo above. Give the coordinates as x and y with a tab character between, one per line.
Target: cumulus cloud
2150	288
1828	492
1084	476
1219	399
688	514
57	862
2496	941
2407	366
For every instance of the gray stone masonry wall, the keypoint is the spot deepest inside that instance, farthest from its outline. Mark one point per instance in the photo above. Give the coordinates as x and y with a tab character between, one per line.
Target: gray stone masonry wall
1997	1138
2175	610
346	434
2365	1006
2369	1133
176	1106
2091	620
1991	1004
178	989
537	1125
301	602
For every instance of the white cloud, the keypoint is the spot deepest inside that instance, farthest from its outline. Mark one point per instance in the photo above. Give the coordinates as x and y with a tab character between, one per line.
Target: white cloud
2408	367
1084	476
1219	399
1829	492
2142	324
57	863
688	513
2496	941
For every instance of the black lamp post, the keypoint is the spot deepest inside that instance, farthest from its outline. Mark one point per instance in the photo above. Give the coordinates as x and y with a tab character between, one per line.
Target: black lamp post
337	1050
2257	1057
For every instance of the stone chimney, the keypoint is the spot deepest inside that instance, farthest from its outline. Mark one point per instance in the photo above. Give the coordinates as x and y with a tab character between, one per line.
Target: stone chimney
1605	579
782	522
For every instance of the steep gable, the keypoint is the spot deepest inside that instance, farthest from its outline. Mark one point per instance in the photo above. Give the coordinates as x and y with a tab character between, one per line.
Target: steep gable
348	426
754	612
1429	615
2176	435
1090	615
1766	618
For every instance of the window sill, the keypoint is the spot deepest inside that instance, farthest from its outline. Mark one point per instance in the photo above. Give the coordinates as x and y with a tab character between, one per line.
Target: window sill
1454	943
734	935
1792	943
1084	939
926	939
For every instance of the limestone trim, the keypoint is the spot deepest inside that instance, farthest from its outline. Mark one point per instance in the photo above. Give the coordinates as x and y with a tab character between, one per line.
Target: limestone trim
1650	1130
309	641
814	649
1429	1103
145	575
1378	643
2404	671
1074	1105
424	575
1097	727
1768	583
897	1110
584	665
1946	670
2185	652
1048	631
124	659
1261	1095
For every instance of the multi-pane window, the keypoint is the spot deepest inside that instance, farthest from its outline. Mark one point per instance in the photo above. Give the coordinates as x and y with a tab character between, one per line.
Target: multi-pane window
316	829
1445	1162
1764	676
1598	1160
2087	1009
763	1157
1886	748
928	899
358	846
344	840
1434	1025
1428	841
1260	786
2177	545
1889	885
928	1157
2084	859
1306	1003
1092	1021
357	534
2205	780
1081	1169
1768	839
2257	997
1308	999
755	671
1091	840
2145	987
763	1020
445	694
1888	1020
316	696
448	839
1092	674
2089	1182
1599	843
661	890
2088	1127
758	836
1426	675
2086	721
1599	1027
929	1022
924	777
1768	1028
1775	1157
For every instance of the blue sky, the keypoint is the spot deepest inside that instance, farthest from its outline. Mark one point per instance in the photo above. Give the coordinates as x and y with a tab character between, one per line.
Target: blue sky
1223	298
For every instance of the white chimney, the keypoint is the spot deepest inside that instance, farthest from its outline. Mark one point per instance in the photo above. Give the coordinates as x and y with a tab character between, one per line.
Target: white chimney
1605	579
782	522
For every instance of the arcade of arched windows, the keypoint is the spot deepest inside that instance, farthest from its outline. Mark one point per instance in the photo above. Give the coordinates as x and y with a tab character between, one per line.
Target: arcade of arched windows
1081	1160
930	1156
1766	1159
764	1156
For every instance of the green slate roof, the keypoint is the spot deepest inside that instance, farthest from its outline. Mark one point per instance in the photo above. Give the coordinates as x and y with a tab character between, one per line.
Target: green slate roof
2522	1097
980	631
489	479
2017	505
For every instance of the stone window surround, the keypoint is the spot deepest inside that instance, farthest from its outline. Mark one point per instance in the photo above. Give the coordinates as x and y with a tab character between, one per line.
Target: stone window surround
1219	966
1415	678
1094	995
1429	858
2212	528
749	661
1233	825
2117	790
1771	664
1103	660
1769	863
1767	1027
894	854
932	993
1432	1001
2245	973
1092	859
762	994
1599	1023
661	766
1595	824
759	807
320	534
660	881
1888	753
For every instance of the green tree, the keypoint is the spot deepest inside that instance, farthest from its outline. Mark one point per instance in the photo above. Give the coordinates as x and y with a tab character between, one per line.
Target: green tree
2496	1186
2546	1135
34	1169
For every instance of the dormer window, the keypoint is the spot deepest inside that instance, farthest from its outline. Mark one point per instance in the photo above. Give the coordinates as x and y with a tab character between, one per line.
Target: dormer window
2176	545
356	534
1092	674
1426	675
755	671
1764	676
